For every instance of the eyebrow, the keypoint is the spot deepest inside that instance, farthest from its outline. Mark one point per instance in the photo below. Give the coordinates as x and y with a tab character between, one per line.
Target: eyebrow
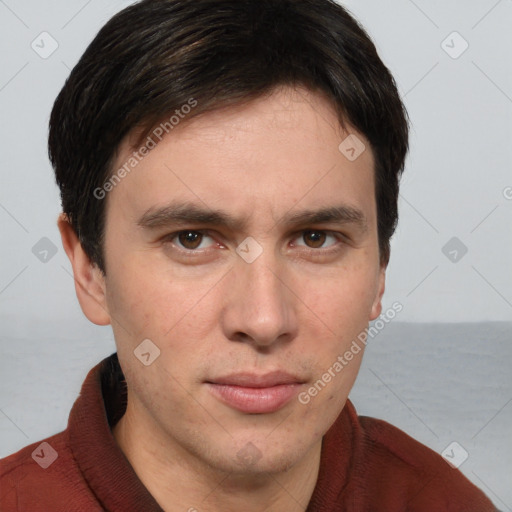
190	213
342	214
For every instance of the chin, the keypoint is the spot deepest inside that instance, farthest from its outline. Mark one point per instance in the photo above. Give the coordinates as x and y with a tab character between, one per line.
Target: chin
259	456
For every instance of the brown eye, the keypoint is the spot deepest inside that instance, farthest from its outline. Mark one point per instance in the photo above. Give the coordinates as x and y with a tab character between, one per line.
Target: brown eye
190	239
314	239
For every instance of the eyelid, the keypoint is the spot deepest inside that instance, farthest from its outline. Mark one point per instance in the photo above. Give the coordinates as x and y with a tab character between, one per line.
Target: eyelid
340	237
169	238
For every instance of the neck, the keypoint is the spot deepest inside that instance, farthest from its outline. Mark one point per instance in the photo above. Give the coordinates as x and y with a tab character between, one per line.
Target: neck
178	481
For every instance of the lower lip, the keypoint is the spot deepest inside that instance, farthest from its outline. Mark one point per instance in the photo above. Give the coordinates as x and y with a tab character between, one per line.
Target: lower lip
255	400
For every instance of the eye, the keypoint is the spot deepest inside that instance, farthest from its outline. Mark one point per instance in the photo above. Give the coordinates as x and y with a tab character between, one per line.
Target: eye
191	240
315	239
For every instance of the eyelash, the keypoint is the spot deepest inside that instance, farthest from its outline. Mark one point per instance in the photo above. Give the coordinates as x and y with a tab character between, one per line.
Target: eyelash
335	248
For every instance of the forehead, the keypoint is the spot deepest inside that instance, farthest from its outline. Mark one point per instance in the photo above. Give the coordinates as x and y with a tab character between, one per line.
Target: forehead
262	158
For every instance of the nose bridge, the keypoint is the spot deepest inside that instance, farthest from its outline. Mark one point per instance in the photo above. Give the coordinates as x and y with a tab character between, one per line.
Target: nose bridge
261	306
264	283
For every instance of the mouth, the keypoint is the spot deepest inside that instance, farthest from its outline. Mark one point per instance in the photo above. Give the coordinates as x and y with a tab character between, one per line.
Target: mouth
256	394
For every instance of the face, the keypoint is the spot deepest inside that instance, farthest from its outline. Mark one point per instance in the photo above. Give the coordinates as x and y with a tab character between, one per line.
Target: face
244	246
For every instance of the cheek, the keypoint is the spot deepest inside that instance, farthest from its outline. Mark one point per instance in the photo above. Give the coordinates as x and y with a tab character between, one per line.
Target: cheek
146	302
132	302
341	309
173	313
343	302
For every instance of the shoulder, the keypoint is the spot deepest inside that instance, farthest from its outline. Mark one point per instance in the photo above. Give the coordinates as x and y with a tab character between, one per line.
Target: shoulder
385	440
402	468
42	474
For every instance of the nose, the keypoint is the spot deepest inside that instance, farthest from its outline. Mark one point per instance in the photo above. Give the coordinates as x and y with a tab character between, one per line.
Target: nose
261	307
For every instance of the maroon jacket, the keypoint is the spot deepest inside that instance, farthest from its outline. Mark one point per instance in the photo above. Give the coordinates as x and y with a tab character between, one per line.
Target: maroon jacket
366	465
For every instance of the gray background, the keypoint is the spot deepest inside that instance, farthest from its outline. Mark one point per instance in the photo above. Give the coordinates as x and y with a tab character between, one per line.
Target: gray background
441	369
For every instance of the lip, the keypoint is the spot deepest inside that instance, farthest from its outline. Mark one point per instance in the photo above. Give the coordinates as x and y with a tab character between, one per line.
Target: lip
256	394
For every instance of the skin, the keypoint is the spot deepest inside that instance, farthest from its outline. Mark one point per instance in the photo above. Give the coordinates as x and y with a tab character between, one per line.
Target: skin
296	308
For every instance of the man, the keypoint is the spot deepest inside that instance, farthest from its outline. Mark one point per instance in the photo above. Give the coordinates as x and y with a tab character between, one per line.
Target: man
229	174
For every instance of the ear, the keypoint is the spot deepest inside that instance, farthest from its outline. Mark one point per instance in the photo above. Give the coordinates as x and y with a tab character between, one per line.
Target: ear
377	303
89	280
